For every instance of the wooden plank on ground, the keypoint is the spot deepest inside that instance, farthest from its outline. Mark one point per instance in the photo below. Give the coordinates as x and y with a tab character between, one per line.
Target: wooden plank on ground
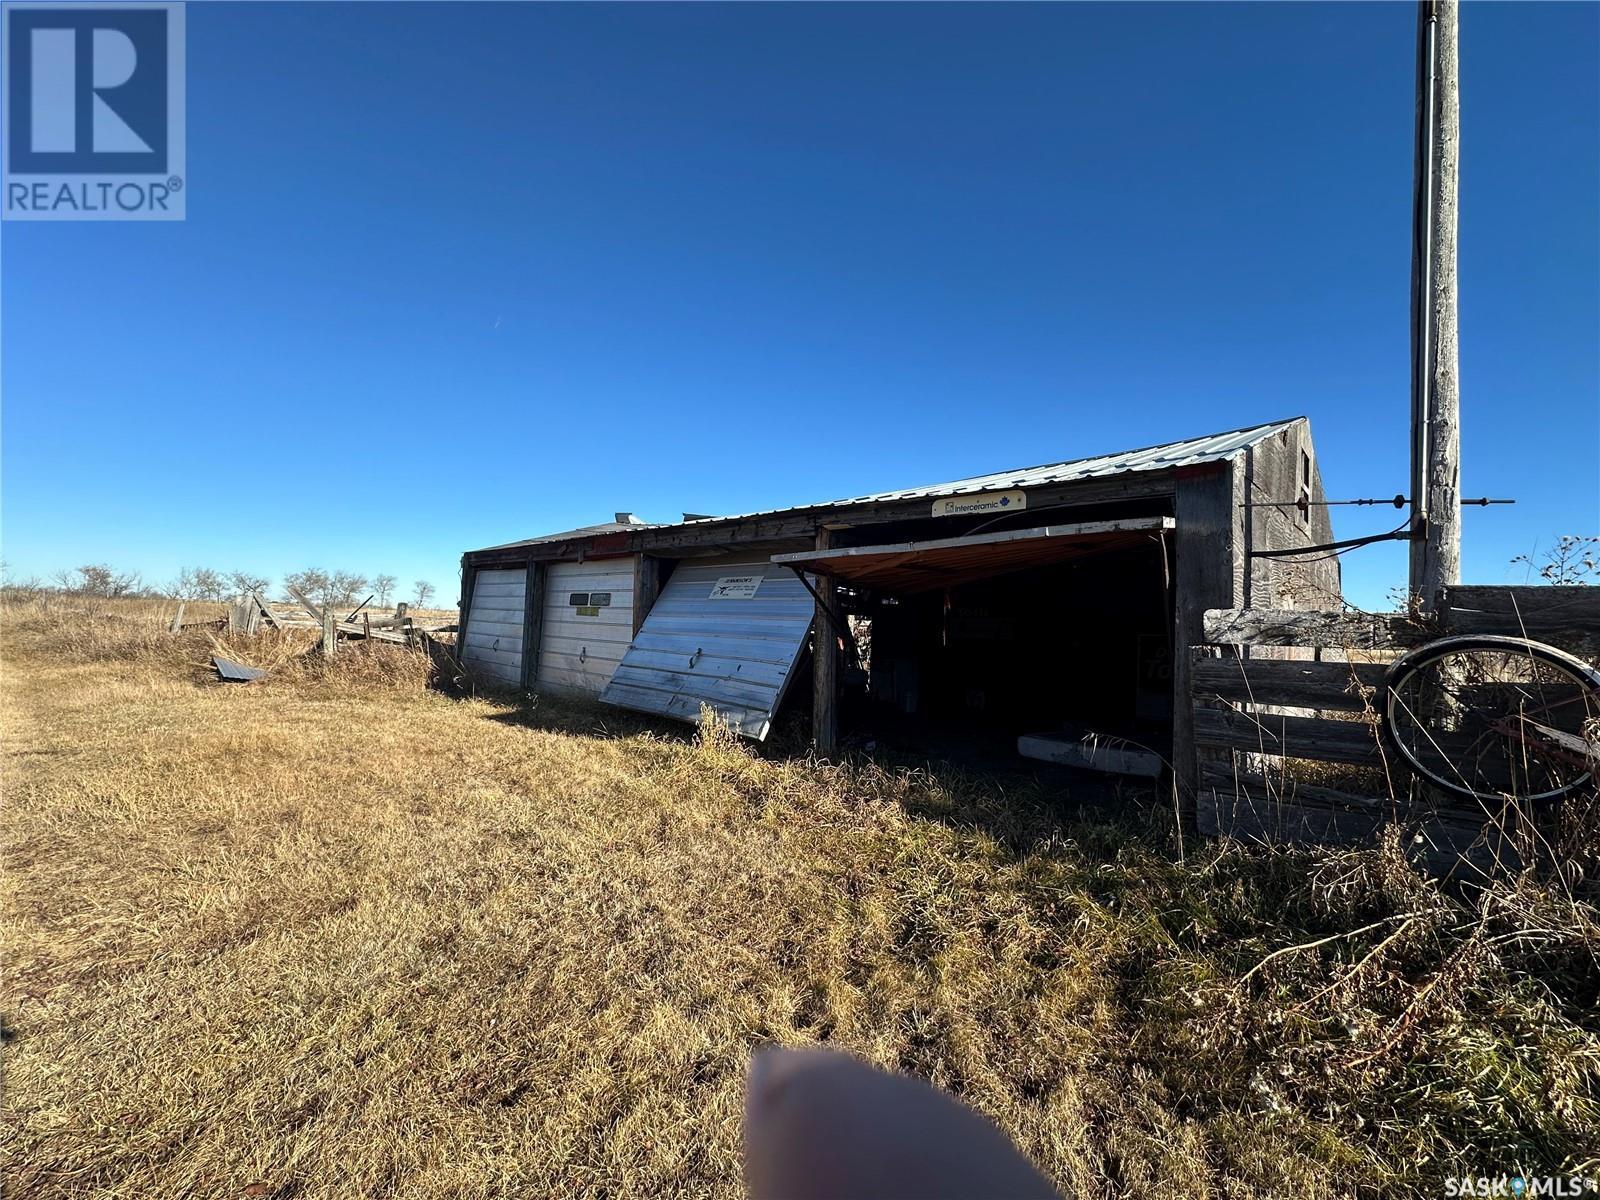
1337	687
1291	737
1347	631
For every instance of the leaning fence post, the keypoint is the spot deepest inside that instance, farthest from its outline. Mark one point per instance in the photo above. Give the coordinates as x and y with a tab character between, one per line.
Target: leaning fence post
330	635
177	620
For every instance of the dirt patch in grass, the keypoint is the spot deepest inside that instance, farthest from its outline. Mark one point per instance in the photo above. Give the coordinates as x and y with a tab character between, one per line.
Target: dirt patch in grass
336	935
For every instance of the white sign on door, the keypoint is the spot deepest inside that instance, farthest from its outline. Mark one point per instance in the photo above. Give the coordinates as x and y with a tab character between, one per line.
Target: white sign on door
736	587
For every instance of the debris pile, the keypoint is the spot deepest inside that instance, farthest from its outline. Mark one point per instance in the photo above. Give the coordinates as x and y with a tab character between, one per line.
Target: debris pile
251	612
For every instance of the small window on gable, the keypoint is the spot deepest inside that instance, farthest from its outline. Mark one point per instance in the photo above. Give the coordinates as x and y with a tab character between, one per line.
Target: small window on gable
578	599
1305	506
1305	468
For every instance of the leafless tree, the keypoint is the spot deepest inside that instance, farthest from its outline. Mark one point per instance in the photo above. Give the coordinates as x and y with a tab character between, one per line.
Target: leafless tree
198	583
424	591
347	587
313	581
384	585
19	588
329	587
97	579
246	581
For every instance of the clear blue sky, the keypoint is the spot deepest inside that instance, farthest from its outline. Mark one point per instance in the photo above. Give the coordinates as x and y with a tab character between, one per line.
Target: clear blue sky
457	274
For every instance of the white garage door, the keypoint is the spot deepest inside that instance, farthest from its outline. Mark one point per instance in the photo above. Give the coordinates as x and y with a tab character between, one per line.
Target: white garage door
492	644
588	622
727	634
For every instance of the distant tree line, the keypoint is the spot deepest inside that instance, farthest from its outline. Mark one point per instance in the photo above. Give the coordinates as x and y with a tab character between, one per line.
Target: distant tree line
203	583
348	587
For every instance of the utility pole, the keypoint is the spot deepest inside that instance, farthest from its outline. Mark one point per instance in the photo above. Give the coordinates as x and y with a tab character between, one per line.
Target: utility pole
1435	333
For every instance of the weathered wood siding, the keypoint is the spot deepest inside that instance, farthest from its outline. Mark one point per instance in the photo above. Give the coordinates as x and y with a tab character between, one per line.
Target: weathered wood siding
491	644
1251	713
1278	472
579	650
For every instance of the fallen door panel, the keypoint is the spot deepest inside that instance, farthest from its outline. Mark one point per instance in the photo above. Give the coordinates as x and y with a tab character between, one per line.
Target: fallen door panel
709	642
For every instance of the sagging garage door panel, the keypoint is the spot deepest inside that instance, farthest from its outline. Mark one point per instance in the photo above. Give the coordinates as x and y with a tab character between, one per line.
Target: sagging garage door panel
736	654
492	643
580	645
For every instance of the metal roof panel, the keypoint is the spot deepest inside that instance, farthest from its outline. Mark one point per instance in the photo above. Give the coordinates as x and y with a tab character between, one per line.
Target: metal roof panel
1190	452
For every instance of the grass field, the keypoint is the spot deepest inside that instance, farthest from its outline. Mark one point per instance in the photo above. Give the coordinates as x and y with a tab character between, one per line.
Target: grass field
336	935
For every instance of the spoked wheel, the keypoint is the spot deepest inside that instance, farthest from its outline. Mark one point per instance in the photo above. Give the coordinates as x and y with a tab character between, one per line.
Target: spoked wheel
1489	717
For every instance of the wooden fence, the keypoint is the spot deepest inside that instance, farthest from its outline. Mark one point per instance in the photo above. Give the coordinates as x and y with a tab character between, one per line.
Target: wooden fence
1285	723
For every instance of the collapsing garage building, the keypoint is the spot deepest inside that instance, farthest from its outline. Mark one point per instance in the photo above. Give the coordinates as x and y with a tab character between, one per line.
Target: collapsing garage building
1045	611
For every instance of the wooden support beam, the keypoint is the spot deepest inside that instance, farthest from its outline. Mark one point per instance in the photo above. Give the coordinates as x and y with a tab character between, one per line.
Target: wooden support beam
1208	572
825	661
646	587
532	623
330	633
305	603
469	575
267	614
177	619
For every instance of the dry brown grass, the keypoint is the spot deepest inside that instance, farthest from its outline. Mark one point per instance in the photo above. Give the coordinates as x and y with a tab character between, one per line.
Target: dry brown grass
334	935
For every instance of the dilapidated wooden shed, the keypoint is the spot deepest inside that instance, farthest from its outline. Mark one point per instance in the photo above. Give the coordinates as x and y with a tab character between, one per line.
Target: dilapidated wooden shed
1039	609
